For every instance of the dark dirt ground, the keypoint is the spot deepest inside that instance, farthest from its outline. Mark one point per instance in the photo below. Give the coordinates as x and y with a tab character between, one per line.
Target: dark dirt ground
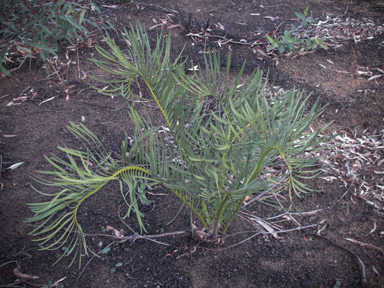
30	129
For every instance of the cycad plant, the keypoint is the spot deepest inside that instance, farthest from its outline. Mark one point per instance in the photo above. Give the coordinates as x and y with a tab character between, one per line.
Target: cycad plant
218	139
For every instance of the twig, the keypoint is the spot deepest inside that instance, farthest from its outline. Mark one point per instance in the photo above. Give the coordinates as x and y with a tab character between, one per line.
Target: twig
5	96
262	194
122	239
98	105
278	27
9	262
92	259
78	60
6	263
158	6
35	112
136	236
24	90
365	244
210	10
228	40
344	194
48	77
265	232
191	251
289	214
362	266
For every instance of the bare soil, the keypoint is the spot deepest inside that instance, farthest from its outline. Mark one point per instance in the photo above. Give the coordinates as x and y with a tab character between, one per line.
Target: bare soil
31	128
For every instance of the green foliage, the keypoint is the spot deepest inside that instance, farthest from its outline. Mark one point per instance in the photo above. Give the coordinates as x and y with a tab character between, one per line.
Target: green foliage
81	176
296	39
210	159
304	19
38	27
337	285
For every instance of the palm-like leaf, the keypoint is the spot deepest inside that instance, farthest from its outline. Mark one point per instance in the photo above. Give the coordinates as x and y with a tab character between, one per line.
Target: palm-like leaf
211	160
79	177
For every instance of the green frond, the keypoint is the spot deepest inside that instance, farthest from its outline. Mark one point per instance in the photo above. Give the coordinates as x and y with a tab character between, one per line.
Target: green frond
80	176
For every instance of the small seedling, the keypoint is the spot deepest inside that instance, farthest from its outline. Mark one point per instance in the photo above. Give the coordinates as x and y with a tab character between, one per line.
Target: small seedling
296	39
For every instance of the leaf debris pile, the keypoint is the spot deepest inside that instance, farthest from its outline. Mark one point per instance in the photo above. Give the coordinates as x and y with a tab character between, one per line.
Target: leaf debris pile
339	29
358	163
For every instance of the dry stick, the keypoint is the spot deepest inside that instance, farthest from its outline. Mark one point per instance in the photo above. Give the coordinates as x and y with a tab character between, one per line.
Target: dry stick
365	244
262	194
362	266
295	213
42	111
278	232
24	91
78	60
6	263
94	257
205	36
9	262
21	282
98	105
158	6
278	27
124	239
191	251
290	216
6	95
57	71
66	81
266	226
48	77
228	40
147	237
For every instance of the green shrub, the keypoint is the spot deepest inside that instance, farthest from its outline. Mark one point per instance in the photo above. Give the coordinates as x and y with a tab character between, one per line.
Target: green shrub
295	39
210	159
38	27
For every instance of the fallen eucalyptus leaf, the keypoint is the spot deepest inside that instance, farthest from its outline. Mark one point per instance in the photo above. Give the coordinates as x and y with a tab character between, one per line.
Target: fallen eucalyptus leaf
374	77
267	227
14	166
